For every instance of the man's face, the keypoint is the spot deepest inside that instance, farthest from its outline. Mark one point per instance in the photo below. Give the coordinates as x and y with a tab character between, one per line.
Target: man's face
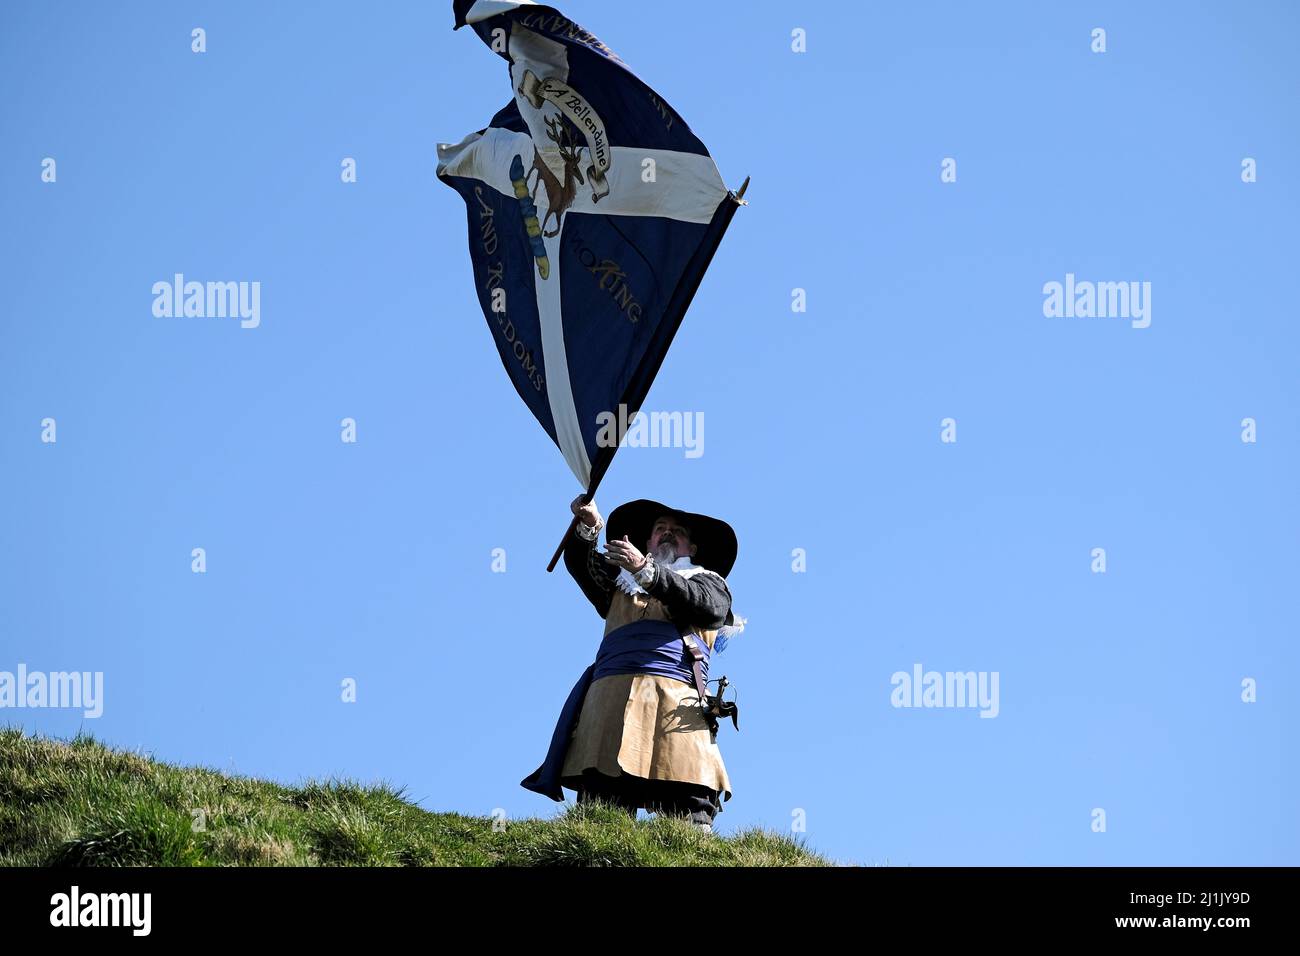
669	540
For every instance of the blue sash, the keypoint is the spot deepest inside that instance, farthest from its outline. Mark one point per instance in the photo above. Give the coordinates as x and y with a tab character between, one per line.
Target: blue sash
642	647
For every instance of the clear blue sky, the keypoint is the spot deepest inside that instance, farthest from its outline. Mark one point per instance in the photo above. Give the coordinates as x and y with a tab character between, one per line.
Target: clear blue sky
372	560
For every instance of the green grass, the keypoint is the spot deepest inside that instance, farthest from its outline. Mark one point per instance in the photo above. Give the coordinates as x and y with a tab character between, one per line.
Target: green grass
81	803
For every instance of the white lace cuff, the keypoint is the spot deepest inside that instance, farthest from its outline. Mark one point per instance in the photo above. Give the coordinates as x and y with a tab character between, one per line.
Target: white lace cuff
588	534
647	573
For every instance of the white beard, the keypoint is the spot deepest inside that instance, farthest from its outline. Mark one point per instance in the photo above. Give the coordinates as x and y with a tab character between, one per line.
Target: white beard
665	554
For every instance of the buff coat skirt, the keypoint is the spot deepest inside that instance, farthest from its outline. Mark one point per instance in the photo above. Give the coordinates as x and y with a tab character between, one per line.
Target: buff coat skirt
648	726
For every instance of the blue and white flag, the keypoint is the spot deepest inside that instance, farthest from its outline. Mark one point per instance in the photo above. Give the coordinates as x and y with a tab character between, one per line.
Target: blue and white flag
593	213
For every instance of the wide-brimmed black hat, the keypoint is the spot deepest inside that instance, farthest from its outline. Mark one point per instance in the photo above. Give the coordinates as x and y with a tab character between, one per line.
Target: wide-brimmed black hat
715	542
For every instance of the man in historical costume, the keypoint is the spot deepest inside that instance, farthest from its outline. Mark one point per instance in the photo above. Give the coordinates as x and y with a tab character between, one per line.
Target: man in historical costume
633	731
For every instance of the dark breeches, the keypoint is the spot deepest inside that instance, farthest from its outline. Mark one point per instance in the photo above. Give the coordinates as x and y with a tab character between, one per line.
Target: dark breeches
671	797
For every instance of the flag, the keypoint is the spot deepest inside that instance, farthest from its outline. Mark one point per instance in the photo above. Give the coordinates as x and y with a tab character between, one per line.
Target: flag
593	214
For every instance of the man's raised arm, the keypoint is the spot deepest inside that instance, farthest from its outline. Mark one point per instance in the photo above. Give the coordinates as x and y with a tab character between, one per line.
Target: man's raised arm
582	560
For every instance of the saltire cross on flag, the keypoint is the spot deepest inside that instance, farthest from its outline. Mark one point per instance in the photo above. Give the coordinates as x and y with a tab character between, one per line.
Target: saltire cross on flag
593	214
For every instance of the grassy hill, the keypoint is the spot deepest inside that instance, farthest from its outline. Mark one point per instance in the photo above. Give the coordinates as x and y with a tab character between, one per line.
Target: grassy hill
81	803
